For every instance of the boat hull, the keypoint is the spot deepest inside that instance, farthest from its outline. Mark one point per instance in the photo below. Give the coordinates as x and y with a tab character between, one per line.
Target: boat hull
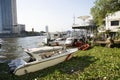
42	64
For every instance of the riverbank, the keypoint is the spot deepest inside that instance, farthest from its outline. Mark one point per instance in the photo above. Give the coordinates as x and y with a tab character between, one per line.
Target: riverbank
22	34
98	63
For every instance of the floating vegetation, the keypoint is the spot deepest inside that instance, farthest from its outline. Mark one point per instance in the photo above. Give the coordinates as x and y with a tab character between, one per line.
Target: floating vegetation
98	63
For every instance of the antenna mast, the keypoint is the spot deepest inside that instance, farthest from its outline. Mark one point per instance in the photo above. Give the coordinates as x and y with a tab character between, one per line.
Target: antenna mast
73	19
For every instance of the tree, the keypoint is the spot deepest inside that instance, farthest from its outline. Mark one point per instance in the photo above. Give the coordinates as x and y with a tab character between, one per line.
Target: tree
102	8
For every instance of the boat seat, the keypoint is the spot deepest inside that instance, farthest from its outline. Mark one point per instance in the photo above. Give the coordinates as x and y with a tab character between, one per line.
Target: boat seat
32	59
47	55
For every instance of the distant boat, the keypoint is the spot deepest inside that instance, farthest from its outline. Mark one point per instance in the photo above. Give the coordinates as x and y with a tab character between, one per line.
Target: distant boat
40	61
69	41
57	42
1	41
2	57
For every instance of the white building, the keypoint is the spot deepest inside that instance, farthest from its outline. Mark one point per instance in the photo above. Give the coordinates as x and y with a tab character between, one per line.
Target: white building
19	28
112	21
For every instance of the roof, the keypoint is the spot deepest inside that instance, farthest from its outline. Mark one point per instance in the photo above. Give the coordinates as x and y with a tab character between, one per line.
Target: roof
80	26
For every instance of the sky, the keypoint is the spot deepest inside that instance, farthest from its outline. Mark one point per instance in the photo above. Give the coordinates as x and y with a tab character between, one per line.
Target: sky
58	15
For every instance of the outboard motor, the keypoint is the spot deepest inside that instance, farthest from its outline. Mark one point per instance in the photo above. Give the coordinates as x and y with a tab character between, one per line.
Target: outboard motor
11	69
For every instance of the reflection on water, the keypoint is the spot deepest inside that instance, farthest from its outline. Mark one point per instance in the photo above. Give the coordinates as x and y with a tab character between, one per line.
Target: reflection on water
13	47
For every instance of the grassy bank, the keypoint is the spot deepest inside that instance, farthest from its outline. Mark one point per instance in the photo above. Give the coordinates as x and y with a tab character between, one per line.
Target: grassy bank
98	63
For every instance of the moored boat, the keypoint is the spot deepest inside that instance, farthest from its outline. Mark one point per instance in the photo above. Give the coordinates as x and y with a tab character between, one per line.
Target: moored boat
40	61
1	41
2	57
57	42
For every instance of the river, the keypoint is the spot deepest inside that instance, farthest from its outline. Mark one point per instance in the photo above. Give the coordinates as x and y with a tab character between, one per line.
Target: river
14	47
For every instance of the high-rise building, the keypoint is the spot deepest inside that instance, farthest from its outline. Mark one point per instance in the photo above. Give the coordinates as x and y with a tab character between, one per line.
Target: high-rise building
8	16
46	29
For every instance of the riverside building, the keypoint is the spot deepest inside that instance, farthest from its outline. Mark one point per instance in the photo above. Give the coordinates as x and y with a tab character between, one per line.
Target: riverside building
8	16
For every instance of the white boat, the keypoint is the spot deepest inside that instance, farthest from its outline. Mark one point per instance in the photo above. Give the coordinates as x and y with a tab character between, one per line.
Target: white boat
69	41
57	42
43	49
2	57
1	41
40	61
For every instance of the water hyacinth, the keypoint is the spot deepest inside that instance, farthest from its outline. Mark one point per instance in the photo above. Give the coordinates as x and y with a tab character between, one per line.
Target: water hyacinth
98	63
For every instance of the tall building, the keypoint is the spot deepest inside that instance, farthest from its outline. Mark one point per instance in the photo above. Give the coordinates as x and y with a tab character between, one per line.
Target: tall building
8	16
46	29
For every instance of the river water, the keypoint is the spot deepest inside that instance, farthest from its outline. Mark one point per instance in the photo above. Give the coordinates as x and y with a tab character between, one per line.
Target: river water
14	47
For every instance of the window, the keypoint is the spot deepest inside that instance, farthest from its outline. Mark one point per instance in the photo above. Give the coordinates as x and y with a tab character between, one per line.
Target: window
6	29
114	23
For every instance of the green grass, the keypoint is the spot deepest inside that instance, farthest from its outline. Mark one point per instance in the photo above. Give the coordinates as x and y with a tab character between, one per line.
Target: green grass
98	63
